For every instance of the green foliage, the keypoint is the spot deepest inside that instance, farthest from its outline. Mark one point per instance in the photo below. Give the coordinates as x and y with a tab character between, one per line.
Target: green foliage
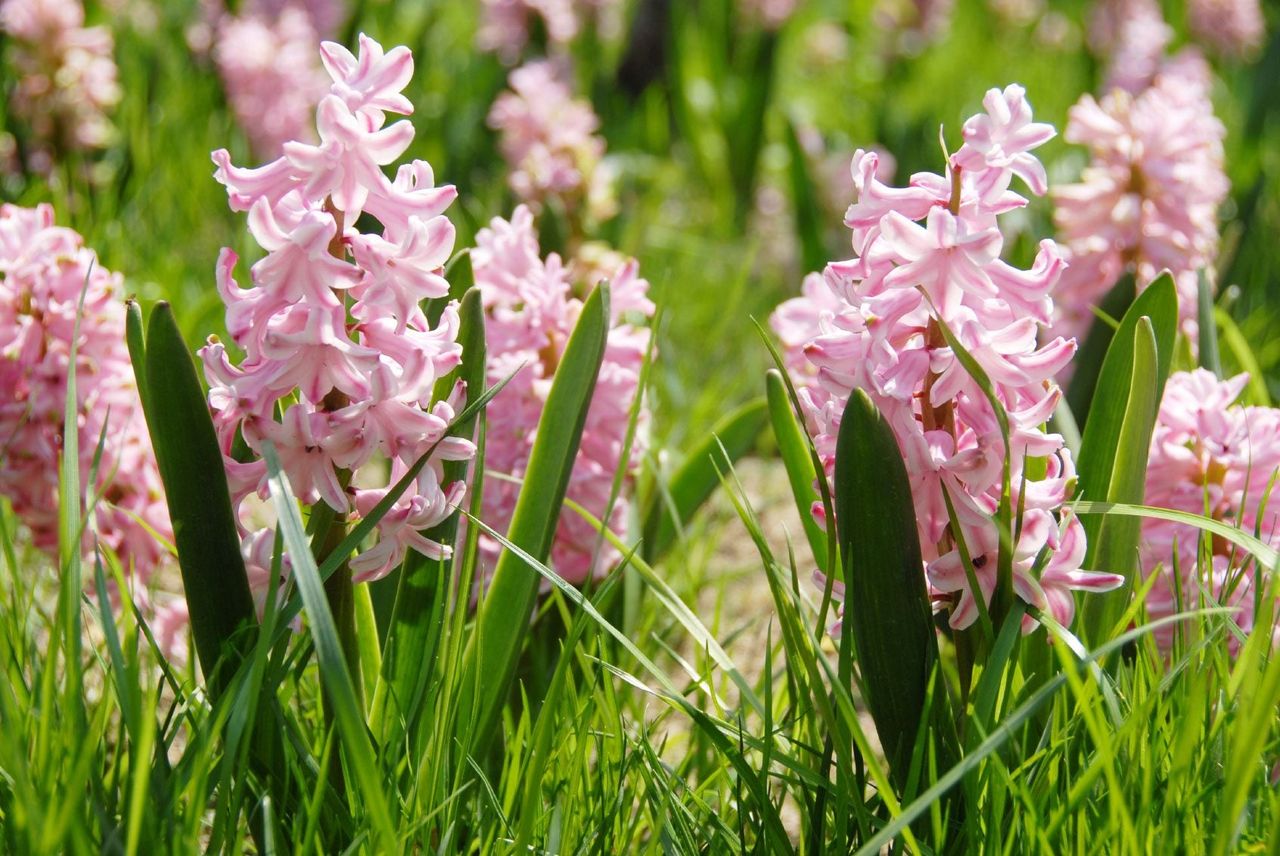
887	608
195	483
502	622
1117	438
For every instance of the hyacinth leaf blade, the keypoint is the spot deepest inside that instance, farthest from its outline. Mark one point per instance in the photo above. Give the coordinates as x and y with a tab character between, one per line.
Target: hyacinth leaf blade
1107	470
199	501
503	620
1113	543
1159	302
462	279
135	337
331	656
1210	356
1093	349
794	450
693	483
886	605
417	617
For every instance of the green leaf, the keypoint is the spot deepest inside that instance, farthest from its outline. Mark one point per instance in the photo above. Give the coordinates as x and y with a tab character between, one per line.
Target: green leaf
886	604
807	206
340	689
794	450
1265	554
1209	356
503	620
1088	359
1113	451
195	486
418	614
732	437
1113	542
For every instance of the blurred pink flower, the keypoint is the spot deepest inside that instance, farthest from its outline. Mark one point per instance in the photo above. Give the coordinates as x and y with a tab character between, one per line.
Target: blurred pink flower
877	329
1232	28
333	336
549	141
1212	457
1132	36
66	77
272	75
44	270
1148	201
531	307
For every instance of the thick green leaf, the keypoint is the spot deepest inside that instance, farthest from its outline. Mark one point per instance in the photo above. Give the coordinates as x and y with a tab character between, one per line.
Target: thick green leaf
1088	360
886	604
418	615
794	450
503	620
695	481
195	485
1113	541
1098	445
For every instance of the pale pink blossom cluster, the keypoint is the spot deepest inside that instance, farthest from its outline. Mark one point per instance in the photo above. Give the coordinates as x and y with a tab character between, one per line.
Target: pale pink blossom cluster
531	306
272	75
549	141
44	270
1233	28
339	359
66	76
506	25
1132	35
1148	201
1213	457
930	253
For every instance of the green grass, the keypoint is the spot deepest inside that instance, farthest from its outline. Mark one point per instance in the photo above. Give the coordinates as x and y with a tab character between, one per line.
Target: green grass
657	712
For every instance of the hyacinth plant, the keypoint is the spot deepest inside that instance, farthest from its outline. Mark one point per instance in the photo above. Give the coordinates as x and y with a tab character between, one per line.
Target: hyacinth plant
923	379
603	669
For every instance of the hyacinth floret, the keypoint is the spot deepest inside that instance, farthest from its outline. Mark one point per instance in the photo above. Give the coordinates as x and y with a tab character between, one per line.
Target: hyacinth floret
531	307
928	254
340	362
1210	456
